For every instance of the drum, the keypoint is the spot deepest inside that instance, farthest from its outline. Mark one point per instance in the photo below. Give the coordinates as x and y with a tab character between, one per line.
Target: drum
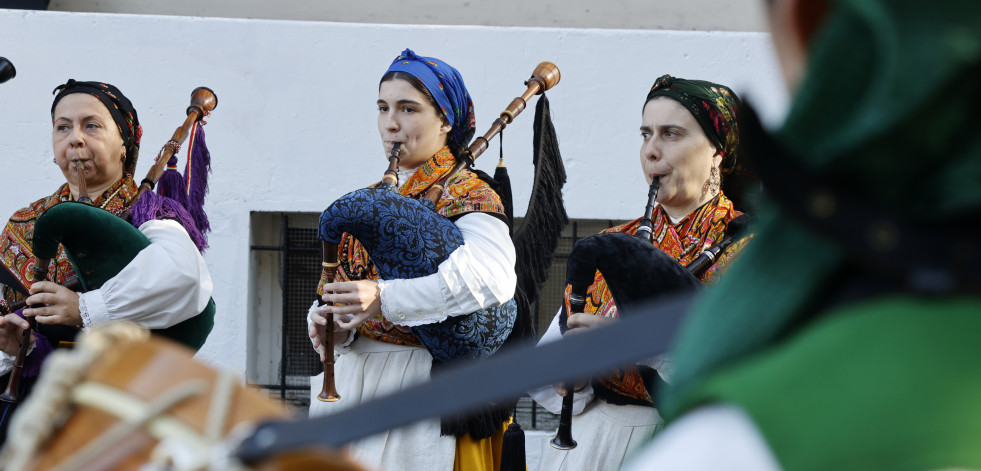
122	400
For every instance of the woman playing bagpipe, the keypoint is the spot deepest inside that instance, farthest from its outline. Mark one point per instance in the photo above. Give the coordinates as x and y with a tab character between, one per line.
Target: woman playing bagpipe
425	115
690	138
96	140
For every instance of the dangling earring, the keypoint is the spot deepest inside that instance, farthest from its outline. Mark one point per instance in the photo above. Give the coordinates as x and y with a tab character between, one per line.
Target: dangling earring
715	181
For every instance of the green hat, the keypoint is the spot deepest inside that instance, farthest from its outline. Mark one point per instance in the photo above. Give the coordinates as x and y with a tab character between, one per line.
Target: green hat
888	112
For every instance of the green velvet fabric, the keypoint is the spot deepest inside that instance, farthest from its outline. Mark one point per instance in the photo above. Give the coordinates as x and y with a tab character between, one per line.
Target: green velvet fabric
888	110
890	384
194	331
99	244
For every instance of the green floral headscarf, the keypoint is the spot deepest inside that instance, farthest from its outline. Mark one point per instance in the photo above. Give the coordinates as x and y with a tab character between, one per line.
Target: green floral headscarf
714	106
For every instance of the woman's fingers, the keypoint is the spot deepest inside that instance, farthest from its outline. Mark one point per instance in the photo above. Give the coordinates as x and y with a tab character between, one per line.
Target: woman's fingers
579	320
15	320
354	322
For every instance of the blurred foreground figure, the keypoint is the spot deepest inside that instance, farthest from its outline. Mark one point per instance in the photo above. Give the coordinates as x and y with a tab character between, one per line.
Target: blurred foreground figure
845	337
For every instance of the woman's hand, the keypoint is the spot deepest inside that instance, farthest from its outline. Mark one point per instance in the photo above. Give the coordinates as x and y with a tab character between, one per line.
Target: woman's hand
562	390
12	329
578	323
317	330
361	299
586	321
59	305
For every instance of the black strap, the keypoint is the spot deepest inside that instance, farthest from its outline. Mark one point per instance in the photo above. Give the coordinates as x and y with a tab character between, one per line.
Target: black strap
649	330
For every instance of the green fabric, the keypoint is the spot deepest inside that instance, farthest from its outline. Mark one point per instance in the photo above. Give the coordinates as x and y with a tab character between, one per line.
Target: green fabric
194	331
99	245
891	384
888	110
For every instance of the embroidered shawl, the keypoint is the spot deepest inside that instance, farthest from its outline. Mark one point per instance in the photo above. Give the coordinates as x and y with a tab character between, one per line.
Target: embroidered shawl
683	241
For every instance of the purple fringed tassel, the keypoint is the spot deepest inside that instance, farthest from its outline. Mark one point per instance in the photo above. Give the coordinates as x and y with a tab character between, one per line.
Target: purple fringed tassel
153	206
196	174
171	184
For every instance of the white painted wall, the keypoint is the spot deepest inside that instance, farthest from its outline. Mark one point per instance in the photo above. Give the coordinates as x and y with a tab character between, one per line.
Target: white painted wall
702	15
295	123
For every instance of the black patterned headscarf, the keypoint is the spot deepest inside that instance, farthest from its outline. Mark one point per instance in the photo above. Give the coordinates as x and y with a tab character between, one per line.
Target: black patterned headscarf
714	106
119	107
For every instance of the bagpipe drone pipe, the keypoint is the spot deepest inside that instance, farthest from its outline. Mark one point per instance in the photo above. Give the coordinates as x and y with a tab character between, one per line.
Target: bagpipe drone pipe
99	243
407	238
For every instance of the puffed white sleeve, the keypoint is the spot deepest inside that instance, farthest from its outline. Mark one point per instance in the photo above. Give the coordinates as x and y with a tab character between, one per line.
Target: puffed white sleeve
546	395
714	437
477	275
165	284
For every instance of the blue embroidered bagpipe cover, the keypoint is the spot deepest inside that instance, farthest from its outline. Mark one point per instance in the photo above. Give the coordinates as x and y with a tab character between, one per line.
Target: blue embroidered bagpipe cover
406	238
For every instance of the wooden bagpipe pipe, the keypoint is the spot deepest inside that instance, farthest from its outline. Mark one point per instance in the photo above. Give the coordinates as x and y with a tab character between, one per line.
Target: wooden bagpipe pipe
407	238
99	243
635	271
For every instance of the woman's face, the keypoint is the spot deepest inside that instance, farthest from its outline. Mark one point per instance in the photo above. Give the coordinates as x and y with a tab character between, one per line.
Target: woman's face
676	149
405	115
83	131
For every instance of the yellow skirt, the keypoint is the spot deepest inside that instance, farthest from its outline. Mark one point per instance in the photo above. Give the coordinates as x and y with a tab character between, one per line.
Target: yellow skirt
480	455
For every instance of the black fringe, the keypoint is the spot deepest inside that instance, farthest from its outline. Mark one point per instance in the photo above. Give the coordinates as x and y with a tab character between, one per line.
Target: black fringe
504	182
535	241
480	424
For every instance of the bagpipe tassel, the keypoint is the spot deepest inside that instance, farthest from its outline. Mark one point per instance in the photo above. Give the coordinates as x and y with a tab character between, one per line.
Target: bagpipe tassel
181	197
513	449
171	184
196	174
153	206
535	241
503	188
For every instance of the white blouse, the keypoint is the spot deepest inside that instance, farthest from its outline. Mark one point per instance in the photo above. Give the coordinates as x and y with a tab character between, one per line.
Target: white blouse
716	437
477	275
165	284
550	400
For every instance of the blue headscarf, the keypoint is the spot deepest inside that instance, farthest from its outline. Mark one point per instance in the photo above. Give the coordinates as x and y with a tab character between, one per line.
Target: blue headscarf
445	85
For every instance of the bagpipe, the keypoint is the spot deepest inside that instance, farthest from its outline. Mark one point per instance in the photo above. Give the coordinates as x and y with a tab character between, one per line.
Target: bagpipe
99	243
407	238
635	270
123	400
